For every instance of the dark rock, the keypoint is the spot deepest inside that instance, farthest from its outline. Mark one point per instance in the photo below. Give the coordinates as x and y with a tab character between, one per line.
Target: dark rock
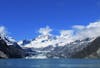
11	51
15	52
24	42
91	48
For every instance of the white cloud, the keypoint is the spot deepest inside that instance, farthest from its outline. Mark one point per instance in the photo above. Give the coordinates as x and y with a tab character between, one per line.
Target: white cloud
45	31
78	27
91	30
2	31
78	32
94	25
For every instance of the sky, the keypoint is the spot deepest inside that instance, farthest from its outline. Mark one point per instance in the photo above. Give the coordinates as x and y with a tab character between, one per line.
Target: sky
23	18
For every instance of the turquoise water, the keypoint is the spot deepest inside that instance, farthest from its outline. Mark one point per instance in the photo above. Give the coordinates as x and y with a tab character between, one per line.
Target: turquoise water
49	63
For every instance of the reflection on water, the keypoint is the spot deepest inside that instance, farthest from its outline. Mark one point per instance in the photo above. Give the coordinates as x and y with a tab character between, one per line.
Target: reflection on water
49	63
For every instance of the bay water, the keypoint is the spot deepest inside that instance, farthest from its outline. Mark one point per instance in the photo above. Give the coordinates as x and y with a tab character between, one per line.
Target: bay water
49	63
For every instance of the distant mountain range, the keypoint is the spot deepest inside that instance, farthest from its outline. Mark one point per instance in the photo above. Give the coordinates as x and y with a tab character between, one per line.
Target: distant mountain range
82	42
47	47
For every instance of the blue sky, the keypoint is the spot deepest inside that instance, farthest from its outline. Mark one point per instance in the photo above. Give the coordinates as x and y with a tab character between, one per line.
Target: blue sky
23	18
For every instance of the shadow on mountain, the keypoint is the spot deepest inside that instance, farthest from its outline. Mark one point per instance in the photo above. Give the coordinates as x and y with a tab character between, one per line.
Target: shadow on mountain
11	51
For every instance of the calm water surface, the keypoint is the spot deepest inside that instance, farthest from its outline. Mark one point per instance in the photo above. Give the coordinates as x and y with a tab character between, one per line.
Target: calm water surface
49	63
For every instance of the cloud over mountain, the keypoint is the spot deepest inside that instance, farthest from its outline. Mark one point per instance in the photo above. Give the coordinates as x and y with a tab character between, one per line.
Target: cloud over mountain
2	31
91	30
45	31
78	32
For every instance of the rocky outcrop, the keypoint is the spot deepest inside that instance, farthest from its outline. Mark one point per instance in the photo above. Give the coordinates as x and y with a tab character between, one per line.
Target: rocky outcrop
2	55
90	49
10	51
76	50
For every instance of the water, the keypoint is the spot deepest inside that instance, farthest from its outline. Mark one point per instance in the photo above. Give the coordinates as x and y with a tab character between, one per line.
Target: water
49	63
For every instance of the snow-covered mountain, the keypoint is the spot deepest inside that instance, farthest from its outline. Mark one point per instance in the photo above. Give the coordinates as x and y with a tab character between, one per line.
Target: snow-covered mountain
9	47
3	35
68	50
78	32
68	44
65	51
52	46
43	41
